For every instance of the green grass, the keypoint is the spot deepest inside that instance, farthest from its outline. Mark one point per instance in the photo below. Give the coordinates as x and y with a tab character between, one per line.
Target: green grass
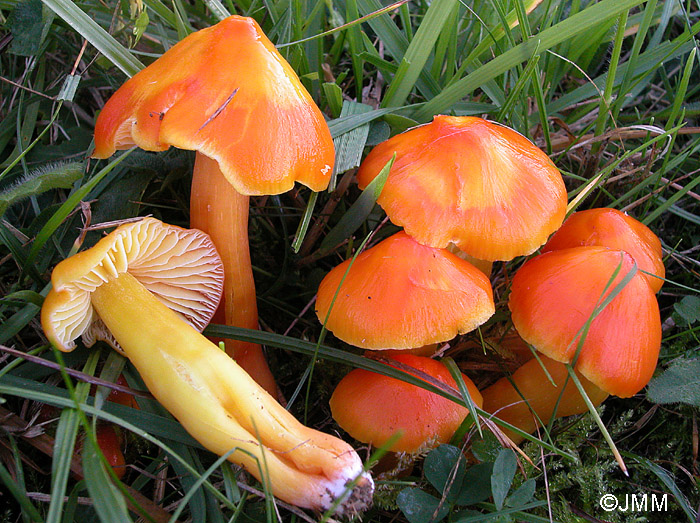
609	89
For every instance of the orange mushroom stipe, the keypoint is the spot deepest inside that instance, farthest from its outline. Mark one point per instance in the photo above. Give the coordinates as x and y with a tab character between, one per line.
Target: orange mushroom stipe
528	398
372	407
256	131
614	229
471	182
553	296
394	296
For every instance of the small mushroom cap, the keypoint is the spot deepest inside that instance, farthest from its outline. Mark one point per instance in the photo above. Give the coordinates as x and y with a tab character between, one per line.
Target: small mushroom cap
533	382
179	266
616	230
226	92
400	294
465	180
553	296
372	407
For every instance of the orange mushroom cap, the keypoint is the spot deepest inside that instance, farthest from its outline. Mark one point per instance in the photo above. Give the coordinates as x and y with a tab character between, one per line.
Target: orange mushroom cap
468	181
505	399
400	294
226	92
372	407
616	230
553	296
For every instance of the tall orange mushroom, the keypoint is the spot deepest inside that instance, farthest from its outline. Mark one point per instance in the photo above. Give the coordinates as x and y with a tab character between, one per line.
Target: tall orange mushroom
226	92
474	183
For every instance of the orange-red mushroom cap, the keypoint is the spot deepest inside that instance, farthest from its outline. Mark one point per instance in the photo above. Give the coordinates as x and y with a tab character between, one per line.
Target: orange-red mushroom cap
614	229
400	294
535	390
471	182
372	407
553	296
226	92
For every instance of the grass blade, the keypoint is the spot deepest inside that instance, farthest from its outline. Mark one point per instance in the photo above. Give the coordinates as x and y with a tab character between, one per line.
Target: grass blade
107	499
358	212
418	52
548	38
98	37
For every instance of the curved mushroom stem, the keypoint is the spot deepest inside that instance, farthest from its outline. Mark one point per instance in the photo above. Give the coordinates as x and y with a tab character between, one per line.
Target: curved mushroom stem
219	210
223	408
529	397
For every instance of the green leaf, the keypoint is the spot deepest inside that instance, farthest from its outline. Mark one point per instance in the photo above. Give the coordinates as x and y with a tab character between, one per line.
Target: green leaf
25	297
358	212
522	495
502	478
444	468
55	176
334	96
28	509
476	484
66	434
420	507
680	383
688	309
108	501
349	146
25	25
667	479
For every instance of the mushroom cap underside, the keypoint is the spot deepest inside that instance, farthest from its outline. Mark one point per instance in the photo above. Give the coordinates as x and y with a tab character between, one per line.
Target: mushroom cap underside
179	266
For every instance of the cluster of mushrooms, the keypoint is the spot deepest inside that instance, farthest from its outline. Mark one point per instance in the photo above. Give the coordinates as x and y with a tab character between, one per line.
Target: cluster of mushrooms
462	188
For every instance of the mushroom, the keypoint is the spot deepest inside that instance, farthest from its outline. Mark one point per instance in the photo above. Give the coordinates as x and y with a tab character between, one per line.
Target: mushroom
616	230
554	295
396	296
142	288
400	294
535	393
226	92
471	182
373	408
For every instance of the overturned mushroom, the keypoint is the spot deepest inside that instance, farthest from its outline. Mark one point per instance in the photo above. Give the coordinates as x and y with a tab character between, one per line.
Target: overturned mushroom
136	288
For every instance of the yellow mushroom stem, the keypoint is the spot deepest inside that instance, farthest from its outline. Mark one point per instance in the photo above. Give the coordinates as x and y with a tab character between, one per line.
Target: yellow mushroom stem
529	394
223	408
219	210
